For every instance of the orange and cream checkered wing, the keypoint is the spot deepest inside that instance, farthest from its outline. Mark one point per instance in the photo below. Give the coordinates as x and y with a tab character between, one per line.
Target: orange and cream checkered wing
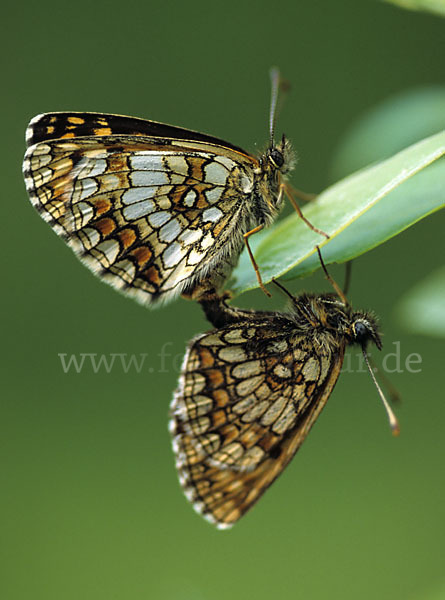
248	395
151	213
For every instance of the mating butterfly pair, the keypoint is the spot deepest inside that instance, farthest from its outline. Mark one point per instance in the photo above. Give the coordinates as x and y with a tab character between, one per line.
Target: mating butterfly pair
157	211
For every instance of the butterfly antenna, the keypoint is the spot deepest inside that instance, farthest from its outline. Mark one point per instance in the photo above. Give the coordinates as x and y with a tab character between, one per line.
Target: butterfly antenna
275	79
393	422
394	395
283	289
332	281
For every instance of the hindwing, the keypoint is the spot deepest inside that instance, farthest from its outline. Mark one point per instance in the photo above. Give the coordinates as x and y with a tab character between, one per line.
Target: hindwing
249	394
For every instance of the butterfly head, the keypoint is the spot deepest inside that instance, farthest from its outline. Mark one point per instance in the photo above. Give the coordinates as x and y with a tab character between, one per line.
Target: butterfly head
364	329
280	157
358	327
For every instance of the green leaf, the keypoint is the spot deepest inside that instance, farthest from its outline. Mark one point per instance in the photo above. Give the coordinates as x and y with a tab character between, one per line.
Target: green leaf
285	246
434	6
422	309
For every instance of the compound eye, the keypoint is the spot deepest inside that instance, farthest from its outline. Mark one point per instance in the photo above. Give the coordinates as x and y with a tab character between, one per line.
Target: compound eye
361	331
276	158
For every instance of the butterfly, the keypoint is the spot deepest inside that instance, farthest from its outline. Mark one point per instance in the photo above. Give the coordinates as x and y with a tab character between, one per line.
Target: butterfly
154	210
250	391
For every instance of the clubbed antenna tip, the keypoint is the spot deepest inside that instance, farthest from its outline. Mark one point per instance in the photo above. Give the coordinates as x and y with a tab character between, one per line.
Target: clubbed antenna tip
393	422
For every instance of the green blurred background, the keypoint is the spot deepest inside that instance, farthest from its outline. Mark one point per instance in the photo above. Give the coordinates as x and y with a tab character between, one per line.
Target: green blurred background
90	503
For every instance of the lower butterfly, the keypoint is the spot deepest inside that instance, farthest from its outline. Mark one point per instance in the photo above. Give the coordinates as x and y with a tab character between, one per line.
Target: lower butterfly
154	210
249	393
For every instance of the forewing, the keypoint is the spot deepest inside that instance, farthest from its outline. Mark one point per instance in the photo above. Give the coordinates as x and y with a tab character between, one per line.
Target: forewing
50	126
142	213
248	396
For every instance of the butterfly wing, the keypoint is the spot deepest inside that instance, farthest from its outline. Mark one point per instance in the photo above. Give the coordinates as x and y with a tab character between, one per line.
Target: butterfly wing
50	126
149	215
248	395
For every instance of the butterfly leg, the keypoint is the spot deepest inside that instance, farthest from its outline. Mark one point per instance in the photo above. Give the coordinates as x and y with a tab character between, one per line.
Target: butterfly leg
300	195
255	266
331	280
284	188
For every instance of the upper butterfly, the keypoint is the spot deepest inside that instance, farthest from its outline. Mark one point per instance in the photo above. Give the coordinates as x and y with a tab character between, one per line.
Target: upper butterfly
154	210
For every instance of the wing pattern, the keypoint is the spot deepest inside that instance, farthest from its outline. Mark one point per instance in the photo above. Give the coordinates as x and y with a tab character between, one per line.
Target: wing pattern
149	215
248	395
